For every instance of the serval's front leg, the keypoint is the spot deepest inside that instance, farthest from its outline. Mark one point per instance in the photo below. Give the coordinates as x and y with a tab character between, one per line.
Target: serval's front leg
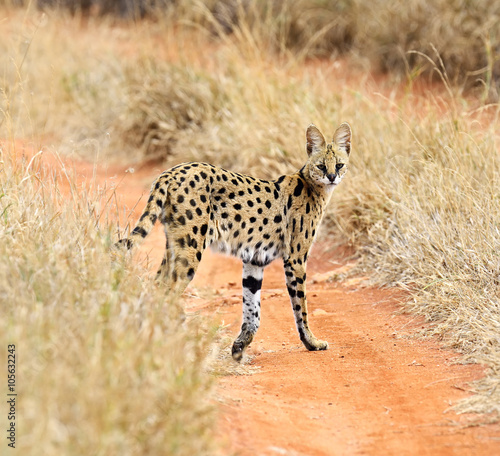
296	284
252	282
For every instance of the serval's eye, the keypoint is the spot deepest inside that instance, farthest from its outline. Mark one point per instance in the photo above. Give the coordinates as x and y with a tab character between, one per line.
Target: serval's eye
322	168
339	166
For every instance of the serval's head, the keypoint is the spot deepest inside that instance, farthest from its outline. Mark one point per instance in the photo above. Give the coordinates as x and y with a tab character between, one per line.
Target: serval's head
327	162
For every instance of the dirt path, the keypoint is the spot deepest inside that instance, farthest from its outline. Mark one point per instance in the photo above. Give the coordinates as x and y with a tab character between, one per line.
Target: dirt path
376	391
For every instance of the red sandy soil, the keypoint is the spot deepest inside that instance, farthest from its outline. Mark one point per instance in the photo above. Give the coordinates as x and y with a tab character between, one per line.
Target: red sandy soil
376	391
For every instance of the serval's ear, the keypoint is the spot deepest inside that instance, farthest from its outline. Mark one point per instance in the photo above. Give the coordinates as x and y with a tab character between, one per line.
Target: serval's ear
315	140
342	137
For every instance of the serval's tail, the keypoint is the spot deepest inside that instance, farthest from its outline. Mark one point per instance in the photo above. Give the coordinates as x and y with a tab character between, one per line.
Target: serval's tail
153	211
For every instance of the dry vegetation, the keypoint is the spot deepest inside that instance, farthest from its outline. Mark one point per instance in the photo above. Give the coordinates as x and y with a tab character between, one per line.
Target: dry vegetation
106	365
421	202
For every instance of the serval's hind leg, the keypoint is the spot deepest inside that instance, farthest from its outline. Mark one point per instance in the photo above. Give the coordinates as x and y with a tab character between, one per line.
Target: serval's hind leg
181	259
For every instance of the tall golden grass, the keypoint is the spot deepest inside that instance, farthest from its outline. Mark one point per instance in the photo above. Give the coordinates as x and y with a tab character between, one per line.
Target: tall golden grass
105	363
420	203
459	37
429	221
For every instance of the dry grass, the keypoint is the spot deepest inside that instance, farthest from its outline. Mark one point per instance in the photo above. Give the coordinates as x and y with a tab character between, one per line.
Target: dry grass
106	364
459	38
431	223
421	199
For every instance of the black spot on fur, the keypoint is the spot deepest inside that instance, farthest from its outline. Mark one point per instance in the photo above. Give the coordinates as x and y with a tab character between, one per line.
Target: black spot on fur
298	188
252	284
140	231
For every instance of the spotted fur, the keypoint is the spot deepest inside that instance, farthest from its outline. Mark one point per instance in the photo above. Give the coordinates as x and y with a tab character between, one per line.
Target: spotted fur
255	220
